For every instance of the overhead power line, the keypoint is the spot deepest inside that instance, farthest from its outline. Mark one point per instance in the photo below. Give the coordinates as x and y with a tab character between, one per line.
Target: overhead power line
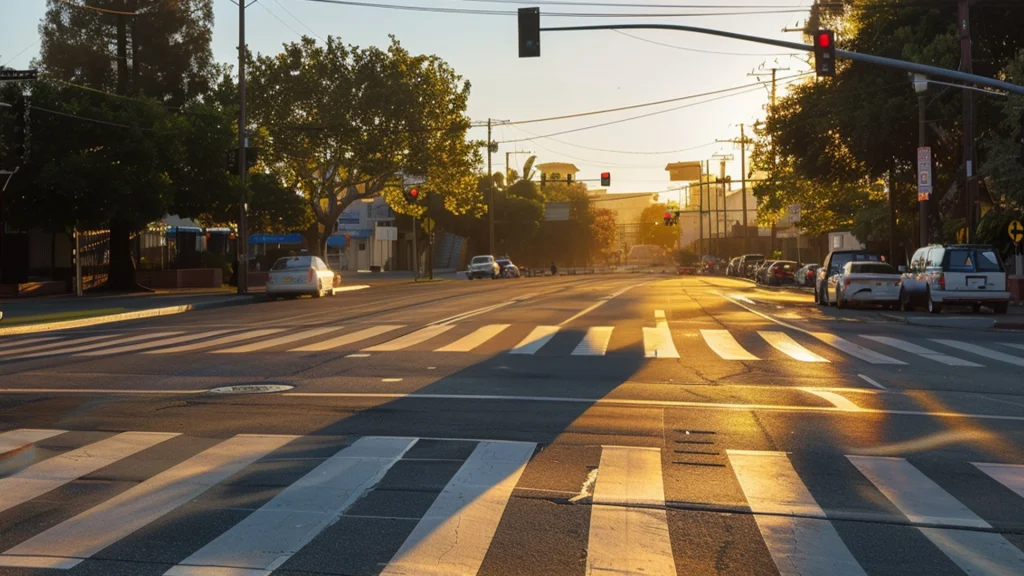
478	12
611	151
96	9
649	41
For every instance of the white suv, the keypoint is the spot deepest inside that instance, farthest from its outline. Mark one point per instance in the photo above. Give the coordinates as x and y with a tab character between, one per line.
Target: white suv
965	274
483	267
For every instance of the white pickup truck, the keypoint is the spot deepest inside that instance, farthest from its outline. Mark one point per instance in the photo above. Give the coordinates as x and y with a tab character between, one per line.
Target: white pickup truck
483	267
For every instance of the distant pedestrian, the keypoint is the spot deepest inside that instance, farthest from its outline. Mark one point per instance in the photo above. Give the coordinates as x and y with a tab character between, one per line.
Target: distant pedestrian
554	269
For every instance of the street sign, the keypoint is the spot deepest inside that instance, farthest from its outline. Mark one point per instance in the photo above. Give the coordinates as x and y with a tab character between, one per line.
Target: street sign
924	173
14	75
387	233
961	235
428	224
794	213
1016	230
556	211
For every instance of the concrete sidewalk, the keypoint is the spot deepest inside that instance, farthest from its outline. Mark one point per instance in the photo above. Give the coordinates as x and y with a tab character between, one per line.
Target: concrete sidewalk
963	318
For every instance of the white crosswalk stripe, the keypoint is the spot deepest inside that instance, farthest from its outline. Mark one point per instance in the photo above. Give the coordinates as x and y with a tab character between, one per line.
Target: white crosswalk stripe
70	543
658	343
55	472
856	350
923	501
595	341
1013	345
94	345
982	351
268	537
785	344
248	335
799	537
61	344
535	340
475	339
628	524
629	530
346	339
411	339
722	343
923	352
287	339
156	344
455	533
25	341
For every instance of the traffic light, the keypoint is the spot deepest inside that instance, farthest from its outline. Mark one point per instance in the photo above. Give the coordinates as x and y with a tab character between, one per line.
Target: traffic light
825	53
231	159
529	32
671	218
606	178
412	195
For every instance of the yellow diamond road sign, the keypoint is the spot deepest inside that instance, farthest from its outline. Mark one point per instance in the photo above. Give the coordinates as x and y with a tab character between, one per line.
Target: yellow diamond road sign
1016	230
428	224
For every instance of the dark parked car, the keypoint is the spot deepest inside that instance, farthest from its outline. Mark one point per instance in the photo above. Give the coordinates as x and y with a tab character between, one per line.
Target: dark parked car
781	272
825	281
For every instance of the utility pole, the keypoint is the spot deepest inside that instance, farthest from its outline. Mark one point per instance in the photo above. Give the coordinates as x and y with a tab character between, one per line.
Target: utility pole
773	70
243	232
967	96
743	180
490	190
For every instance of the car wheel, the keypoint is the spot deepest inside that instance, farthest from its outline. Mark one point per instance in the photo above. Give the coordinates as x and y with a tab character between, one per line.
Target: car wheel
1001	307
933	307
905	303
817	296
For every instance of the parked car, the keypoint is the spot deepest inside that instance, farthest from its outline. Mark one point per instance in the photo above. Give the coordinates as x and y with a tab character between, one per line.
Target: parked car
760	269
507	268
868	283
295	275
733	268
483	267
805	276
687	270
780	272
828	274
747	263
967	274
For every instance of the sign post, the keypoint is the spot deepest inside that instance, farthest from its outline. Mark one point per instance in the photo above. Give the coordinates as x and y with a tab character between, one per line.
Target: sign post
794	219
924	188
1016	230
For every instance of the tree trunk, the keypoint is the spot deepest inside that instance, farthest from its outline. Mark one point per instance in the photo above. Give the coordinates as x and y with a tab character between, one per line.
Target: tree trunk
121	275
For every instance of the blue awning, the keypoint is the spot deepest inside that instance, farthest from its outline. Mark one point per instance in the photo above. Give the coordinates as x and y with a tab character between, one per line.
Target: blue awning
176	229
336	241
275	239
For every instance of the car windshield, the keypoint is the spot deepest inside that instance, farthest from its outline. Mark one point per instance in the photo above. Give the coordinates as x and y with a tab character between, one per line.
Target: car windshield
293	262
482	259
841	259
873	268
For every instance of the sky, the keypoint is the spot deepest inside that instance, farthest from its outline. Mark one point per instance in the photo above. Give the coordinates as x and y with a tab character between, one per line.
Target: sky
577	71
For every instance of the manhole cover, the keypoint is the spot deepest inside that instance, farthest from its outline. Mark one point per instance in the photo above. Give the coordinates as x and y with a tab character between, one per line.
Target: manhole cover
251	389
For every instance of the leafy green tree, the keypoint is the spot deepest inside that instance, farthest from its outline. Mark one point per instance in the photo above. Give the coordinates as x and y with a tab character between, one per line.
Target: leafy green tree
276	208
342	121
653	229
602	234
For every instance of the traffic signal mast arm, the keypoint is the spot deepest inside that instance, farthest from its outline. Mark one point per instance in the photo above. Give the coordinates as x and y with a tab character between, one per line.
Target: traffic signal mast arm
932	71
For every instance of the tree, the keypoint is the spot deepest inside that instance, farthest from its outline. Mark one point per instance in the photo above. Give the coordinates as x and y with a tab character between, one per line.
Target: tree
602	234
653	229
275	208
1003	173
342	121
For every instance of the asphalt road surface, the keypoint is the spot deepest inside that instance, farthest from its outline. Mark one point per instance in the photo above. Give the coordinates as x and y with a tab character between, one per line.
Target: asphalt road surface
590	425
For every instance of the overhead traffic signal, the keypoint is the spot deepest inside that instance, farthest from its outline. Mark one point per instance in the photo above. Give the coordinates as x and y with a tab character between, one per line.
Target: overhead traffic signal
412	195
671	218
606	178
825	53
529	32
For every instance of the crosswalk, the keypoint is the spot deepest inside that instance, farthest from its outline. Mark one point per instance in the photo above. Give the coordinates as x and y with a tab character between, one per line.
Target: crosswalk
660	342
628	526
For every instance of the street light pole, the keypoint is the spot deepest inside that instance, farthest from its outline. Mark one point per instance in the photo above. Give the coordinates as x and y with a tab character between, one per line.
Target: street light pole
243	233
921	87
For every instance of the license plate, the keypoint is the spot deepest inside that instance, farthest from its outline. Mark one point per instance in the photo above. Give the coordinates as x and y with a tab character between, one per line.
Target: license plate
878	283
288	279
975	282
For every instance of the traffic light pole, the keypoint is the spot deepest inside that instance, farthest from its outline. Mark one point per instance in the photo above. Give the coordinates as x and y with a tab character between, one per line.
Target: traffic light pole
933	71
243	232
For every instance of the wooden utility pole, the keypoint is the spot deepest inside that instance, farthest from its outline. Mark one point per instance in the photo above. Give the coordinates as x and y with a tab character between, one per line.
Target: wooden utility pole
243	232
743	180
774	71
490	190
967	96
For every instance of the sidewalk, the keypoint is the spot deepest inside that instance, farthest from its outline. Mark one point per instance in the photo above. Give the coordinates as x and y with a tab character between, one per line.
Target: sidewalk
24	315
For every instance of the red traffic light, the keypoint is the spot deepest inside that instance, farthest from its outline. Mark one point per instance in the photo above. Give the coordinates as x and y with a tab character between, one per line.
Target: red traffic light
414	193
605	175
668	215
824	40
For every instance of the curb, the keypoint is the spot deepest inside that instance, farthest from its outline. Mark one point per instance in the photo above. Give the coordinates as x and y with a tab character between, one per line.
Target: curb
955	322
1019	325
124	316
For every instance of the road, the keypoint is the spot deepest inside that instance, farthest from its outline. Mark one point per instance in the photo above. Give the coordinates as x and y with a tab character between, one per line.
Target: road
617	424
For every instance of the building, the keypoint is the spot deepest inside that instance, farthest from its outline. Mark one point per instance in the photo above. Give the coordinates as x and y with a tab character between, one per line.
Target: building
556	170
627	207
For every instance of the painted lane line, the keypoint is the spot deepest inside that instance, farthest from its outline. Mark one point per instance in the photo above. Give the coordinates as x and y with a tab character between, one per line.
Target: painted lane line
981	351
26	341
921	500
658	343
1011	345
871	381
743	298
287	339
94	345
454	535
595	341
411	339
722	343
346	339
268	537
922	351
157	344
57	344
535	340
248	335
599	303
55	472
628	524
856	350
833	398
357	356
476	338
785	344
68	544
105	391
478	311
659	319
18	439
808	544
1009	475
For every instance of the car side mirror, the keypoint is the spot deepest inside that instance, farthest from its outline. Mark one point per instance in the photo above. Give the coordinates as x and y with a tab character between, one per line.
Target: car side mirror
902	268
